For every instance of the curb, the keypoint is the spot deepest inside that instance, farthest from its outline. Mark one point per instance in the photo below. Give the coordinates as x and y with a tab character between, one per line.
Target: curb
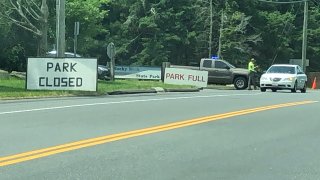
153	90
184	90
131	92
220	87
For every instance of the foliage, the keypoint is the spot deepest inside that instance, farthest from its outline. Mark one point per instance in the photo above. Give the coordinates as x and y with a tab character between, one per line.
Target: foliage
149	32
31	15
314	39
237	42
152	32
276	37
16	58
4	31
89	15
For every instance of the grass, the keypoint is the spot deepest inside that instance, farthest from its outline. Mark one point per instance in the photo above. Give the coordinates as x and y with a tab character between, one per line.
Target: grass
15	88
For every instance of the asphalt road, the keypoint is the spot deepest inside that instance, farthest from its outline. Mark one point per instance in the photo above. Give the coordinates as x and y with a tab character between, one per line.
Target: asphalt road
212	134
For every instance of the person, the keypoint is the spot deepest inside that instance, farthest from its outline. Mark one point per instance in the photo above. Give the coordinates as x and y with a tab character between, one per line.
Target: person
252	74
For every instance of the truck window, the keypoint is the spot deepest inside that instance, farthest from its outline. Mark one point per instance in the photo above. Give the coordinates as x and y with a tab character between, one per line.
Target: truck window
300	69
220	65
207	64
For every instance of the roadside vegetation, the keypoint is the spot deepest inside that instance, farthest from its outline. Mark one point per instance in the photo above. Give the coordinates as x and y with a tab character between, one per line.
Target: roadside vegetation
14	88
147	33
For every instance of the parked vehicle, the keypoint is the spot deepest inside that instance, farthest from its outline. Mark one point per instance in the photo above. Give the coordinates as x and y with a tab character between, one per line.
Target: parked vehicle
222	72
66	54
103	71
284	76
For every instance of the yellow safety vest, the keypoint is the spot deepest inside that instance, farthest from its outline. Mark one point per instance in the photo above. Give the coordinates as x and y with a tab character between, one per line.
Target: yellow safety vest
251	67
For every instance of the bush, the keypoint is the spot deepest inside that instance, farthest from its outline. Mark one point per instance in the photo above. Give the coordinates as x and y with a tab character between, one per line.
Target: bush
16	60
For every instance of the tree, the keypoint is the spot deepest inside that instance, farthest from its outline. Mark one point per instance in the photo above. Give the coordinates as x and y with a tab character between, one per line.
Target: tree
152	31
313	50
90	15
148	32
206	28
277	29
4	31
237	43
31	15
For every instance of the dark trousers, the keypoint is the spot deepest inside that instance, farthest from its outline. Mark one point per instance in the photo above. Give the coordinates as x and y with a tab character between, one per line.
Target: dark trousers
252	80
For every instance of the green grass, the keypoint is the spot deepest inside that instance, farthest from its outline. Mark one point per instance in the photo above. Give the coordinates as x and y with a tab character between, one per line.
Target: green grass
15	88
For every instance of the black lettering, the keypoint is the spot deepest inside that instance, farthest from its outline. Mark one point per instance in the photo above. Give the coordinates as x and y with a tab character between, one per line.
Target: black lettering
71	82
57	68
79	82
40	81
47	83
49	66
72	67
65	67
64	82
56	82
60	82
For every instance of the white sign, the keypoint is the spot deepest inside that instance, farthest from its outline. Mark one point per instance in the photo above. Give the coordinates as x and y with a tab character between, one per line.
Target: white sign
299	62
186	77
130	72
62	74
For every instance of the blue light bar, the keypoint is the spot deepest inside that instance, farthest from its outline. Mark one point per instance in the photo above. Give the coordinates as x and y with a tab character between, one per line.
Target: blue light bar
214	57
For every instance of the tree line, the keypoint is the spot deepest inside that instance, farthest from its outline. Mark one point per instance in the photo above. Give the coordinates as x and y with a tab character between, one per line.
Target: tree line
149	32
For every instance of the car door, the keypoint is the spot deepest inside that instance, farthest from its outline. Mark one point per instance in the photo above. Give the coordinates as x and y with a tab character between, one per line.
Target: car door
207	65
222	73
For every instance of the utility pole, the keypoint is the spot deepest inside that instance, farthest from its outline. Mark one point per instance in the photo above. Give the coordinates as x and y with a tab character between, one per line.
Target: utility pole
60	27
305	33
220	35
305	28
211	29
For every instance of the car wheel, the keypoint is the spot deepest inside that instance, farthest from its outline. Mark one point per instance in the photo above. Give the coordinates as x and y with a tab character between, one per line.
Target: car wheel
240	83
274	90
263	89
294	88
304	89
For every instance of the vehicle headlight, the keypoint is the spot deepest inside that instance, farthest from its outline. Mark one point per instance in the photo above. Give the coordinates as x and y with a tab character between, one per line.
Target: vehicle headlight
288	79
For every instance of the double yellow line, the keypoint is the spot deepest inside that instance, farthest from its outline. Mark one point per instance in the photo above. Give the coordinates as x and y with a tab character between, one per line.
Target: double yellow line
26	156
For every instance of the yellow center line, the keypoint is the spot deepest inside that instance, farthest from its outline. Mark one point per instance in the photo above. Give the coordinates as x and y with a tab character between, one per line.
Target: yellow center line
26	156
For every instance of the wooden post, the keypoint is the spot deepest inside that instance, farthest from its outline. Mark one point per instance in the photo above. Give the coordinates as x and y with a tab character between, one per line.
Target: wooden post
61	27
163	69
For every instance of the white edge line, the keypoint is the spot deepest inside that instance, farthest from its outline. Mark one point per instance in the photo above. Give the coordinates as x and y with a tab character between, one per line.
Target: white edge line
120	102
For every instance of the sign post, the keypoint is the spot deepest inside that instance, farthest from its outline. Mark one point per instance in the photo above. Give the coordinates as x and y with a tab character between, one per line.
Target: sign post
61	27
111	52
76	33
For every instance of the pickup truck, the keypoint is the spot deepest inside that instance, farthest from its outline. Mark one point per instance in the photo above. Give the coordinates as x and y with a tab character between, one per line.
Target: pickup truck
222	72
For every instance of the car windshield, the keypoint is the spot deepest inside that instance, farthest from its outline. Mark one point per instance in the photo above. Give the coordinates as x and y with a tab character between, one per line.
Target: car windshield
282	69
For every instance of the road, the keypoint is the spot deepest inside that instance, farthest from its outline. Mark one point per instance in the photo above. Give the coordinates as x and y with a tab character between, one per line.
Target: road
212	134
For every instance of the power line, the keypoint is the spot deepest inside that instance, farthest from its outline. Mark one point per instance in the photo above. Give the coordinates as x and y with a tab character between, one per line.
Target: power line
305	24
282	2
284	28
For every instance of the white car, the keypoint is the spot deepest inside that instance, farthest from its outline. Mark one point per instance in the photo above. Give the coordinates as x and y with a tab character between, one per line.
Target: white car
284	76
66	54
